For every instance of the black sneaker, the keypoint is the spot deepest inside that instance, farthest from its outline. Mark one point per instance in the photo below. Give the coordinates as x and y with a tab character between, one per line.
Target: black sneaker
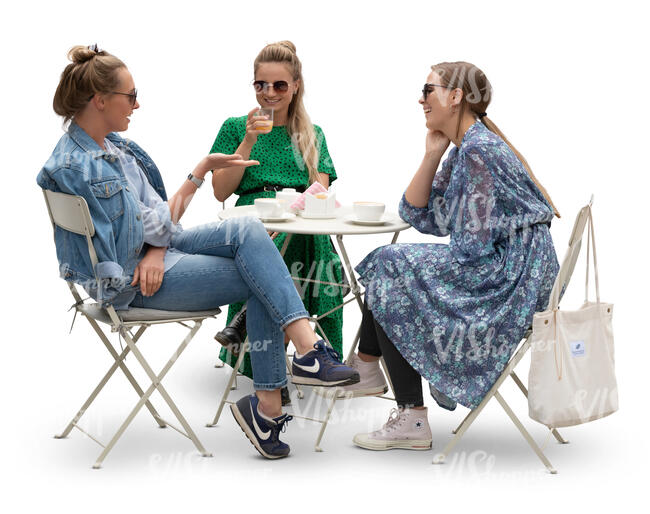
234	334
262	432
286	398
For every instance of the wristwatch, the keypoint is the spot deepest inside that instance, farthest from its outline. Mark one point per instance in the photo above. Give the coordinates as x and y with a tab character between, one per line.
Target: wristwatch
198	182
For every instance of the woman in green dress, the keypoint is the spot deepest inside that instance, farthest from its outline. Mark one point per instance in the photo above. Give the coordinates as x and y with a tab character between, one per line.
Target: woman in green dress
292	154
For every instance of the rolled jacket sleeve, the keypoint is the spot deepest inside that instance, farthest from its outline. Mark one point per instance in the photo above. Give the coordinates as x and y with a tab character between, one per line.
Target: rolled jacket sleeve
157	224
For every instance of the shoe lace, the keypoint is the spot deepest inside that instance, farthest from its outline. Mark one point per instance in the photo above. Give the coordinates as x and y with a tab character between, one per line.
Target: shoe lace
394	420
281	427
327	350
239	322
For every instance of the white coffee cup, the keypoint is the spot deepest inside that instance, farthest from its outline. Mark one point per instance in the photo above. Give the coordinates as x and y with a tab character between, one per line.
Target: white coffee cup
269	207
368	211
287	195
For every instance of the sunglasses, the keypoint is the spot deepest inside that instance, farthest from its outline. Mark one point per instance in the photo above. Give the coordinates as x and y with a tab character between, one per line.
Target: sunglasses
281	86
428	88
133	96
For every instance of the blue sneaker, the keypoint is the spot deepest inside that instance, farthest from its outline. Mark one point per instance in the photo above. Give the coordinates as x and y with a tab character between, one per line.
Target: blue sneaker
322	367
262	432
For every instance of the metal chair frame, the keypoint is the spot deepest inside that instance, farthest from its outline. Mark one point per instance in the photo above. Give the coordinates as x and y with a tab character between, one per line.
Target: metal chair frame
561	283
71	213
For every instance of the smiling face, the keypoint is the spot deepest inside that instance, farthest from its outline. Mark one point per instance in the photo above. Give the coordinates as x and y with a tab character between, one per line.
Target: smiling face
438	104
271	72
117	108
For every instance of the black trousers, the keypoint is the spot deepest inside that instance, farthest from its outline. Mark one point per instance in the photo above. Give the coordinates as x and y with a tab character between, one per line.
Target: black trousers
406	381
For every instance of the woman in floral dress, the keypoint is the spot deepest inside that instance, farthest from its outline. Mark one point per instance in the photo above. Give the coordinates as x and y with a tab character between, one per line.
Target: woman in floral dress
454	313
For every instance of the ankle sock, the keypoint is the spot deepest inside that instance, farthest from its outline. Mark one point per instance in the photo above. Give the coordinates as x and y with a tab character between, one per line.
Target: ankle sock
265	417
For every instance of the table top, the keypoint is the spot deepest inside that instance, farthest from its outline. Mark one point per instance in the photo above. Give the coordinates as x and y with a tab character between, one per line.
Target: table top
331	226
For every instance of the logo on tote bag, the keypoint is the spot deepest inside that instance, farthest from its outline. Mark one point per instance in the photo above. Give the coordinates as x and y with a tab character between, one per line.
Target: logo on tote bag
577	348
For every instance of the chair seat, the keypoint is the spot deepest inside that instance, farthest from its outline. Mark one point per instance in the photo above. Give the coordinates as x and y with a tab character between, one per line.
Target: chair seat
136	316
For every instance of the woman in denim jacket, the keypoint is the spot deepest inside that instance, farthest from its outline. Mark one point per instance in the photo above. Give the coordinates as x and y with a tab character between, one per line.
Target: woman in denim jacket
147	260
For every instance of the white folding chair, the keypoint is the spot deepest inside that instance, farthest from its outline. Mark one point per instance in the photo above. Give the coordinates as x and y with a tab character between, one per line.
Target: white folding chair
561	281
71	213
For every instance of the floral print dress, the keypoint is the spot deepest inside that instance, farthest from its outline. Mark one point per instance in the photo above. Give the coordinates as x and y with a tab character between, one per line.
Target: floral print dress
457	311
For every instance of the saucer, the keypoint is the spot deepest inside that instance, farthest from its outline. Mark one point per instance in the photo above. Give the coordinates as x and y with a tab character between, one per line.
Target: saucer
382	221
285	217
306	215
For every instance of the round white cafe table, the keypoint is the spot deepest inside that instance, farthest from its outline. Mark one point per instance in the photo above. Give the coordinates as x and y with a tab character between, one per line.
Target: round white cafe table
330	226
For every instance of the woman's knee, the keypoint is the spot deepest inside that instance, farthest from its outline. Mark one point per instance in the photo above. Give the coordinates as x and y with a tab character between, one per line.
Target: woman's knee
247	228
387	254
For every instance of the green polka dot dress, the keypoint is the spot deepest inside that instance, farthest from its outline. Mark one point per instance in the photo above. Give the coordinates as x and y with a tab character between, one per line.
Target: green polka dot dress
307	256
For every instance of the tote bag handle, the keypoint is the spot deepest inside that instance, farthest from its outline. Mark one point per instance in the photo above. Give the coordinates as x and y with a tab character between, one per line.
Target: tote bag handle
591	237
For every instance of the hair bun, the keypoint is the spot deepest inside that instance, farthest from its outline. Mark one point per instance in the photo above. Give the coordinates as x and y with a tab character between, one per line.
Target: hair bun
287	44
80	54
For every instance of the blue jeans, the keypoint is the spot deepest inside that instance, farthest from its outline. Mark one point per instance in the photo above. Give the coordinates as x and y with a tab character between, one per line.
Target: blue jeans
231	261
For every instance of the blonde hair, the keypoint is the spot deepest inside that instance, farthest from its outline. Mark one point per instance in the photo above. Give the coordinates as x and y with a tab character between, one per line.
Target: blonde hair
91	71
477	93
299	126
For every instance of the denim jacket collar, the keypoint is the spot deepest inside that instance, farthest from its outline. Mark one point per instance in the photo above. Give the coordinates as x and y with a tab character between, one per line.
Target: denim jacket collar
88	144
116	139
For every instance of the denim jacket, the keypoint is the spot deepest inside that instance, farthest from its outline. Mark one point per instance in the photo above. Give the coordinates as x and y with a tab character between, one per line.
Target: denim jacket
80	167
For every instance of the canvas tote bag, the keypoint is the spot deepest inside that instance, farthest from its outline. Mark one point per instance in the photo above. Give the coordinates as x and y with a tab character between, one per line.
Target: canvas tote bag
571	379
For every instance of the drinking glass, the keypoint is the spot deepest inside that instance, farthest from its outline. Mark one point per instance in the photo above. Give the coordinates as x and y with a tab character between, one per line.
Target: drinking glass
267	119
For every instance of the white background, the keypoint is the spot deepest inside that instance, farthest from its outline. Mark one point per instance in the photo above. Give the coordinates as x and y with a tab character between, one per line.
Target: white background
570	90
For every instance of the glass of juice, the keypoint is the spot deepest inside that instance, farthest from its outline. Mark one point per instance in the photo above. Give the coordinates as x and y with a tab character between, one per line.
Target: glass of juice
265	123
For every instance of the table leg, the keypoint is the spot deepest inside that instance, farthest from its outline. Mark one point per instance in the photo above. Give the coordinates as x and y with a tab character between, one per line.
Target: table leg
354	286
285	245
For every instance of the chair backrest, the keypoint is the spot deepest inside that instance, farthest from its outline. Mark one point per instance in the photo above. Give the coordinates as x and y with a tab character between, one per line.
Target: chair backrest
571	255
71	213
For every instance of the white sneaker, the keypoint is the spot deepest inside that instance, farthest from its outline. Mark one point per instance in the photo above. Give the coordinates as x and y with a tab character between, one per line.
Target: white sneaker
406	428
371	383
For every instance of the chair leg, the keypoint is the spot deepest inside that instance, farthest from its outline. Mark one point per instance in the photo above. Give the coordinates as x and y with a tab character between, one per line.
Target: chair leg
324	424
118	363
461	424
354	285
231	380
123	367
524	432
462	428
155	384
523	389
301	394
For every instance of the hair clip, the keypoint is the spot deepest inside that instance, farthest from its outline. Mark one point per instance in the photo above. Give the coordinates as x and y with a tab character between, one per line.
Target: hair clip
94	48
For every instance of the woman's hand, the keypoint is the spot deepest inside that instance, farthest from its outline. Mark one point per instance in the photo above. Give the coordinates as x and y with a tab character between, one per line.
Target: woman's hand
216	161
436	144
150	270
418	191
253	126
